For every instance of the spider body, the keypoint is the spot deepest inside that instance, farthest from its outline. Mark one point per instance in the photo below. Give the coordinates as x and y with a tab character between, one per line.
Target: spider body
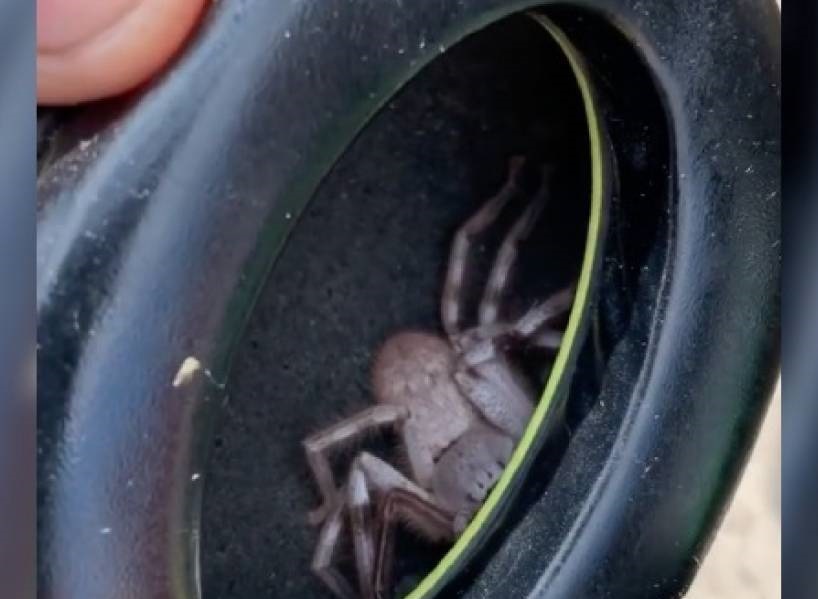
449	448
458	403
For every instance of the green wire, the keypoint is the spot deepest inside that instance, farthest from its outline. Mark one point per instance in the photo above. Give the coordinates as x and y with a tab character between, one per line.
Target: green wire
435	578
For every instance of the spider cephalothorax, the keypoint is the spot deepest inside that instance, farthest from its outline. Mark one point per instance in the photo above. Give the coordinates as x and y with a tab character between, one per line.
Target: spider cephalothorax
458	403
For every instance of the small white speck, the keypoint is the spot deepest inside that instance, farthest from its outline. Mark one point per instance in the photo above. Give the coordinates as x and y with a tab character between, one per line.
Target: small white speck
287	34
84	144
288	215
105	531
401	50
749	169
129	484
196	476
441	48
421	44
188	368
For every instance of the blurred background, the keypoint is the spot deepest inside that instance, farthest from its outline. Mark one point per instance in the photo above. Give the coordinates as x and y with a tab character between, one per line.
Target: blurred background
744	562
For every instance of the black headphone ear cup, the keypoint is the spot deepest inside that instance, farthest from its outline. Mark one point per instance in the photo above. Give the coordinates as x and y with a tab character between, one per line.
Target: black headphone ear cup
329	150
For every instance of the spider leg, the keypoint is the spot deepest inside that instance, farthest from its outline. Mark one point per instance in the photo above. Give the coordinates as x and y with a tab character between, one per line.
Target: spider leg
323	558
396	490
357	504
547	339
487	378
500	393
507	254
532	322
479	222
317	446
415	511
384	478
371	474
363	535
480	344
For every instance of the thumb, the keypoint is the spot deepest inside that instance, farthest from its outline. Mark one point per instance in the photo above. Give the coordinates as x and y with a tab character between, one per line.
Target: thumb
91	49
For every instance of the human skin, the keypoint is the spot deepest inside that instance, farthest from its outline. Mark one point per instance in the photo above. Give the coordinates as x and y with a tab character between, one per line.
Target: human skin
92	49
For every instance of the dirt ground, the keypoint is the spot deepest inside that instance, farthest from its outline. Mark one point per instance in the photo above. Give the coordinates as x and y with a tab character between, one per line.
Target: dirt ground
744	561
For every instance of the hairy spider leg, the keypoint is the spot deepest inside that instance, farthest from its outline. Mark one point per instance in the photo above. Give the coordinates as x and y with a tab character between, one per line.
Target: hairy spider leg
318	445
451	300
500	275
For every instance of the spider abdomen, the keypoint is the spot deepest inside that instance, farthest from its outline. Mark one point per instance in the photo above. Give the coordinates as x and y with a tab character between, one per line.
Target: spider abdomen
469	469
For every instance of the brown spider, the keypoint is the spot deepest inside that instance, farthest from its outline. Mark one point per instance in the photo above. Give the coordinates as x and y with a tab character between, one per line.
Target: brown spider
458	403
